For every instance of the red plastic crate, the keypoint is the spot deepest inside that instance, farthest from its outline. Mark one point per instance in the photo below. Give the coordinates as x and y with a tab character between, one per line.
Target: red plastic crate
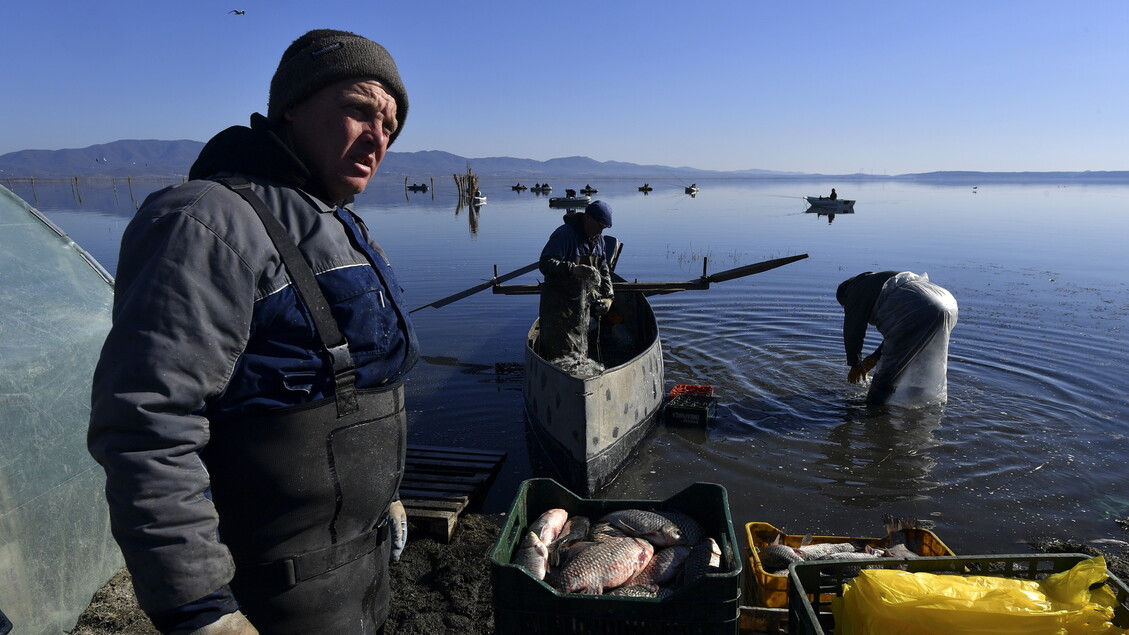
691	389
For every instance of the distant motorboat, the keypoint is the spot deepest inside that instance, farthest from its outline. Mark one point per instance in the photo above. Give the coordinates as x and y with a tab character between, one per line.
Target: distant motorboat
693	189
422	187
518	188
538	188
646	187
837	205
588	189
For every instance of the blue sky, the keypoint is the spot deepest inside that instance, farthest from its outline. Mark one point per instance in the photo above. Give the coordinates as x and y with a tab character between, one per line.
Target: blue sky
831	87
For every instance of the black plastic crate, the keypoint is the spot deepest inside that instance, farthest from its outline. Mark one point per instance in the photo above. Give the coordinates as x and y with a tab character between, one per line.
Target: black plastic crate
526	605
813	585
690	410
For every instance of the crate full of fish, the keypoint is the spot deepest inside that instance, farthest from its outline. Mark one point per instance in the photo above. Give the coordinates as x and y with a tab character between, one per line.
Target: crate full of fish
770	552
564	564
690	405
994	593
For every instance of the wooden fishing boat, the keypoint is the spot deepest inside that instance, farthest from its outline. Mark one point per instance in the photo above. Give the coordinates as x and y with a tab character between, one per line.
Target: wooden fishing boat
570	201
518	188
590	427
837	205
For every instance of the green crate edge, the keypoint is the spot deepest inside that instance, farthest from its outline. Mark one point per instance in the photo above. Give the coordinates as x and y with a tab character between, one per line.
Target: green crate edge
701	604
807	620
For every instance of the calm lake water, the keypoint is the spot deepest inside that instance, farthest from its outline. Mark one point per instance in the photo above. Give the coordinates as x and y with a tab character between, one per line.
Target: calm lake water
1032	442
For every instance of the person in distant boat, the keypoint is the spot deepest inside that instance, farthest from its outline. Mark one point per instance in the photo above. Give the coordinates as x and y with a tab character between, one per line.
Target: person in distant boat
834	195
914	317
578	282
248	405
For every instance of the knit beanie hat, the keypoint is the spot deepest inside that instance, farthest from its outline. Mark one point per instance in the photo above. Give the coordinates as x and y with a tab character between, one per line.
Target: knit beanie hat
600	212
324	56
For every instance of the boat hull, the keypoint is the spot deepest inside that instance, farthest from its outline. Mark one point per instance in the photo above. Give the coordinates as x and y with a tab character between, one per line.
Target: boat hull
830	204
570	201
590	428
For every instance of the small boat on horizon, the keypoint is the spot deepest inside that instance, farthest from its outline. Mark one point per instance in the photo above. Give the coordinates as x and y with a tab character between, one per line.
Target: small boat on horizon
837	205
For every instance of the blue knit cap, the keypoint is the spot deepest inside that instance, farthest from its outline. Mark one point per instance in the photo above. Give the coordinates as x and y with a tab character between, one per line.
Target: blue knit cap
600	212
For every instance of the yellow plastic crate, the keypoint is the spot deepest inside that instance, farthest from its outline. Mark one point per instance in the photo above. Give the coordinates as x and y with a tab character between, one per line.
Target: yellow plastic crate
768	589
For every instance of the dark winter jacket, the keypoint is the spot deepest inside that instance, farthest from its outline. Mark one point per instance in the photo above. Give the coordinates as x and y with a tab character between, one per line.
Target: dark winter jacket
562	252
858	295
207	327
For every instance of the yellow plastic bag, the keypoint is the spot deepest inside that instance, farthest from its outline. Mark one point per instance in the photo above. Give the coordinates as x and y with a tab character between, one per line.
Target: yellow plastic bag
887	602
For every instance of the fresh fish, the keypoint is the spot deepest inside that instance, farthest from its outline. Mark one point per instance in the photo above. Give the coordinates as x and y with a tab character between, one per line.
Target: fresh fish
650	526
663	567
776	555
548	525
817	551
690	529
603	531
604	565
899	542
575	530
640	591
705	557
532	555
868	554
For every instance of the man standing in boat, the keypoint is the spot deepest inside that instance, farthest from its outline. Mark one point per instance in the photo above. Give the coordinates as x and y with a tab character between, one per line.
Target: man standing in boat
578	282
915	318
248	406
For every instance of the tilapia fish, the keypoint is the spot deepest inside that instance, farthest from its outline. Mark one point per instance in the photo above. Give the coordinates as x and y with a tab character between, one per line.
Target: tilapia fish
604	565
652	527
533	555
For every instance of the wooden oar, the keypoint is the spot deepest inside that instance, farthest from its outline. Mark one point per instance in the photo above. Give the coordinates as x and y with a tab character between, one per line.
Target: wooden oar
479	287
662	288
749	270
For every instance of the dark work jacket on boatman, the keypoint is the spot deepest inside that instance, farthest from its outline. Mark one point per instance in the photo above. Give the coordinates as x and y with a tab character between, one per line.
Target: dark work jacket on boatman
566	301
212	407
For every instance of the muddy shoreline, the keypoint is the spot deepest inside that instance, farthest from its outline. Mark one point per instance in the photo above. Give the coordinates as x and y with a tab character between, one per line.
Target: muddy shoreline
445	588
436	588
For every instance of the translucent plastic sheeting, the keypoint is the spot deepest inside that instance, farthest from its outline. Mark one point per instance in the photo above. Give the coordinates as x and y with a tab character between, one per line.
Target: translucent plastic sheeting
55	544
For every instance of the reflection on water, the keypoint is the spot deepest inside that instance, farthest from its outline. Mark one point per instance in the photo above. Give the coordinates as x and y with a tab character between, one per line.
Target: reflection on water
876	457
1031	441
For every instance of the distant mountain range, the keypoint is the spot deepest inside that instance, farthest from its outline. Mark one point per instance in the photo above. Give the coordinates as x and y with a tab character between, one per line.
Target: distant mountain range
148	158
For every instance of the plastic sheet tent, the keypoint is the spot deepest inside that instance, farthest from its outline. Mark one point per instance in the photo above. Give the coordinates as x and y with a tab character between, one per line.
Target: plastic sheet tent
55	544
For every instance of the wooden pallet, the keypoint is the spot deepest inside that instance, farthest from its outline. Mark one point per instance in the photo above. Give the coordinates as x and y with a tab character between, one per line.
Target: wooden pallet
440	483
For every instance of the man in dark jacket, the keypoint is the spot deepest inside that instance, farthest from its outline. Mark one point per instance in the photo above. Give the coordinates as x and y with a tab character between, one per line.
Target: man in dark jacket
578	282
915	318
248	408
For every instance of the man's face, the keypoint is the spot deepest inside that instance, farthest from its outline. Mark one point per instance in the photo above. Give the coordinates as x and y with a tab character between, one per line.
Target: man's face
591	227
341	133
